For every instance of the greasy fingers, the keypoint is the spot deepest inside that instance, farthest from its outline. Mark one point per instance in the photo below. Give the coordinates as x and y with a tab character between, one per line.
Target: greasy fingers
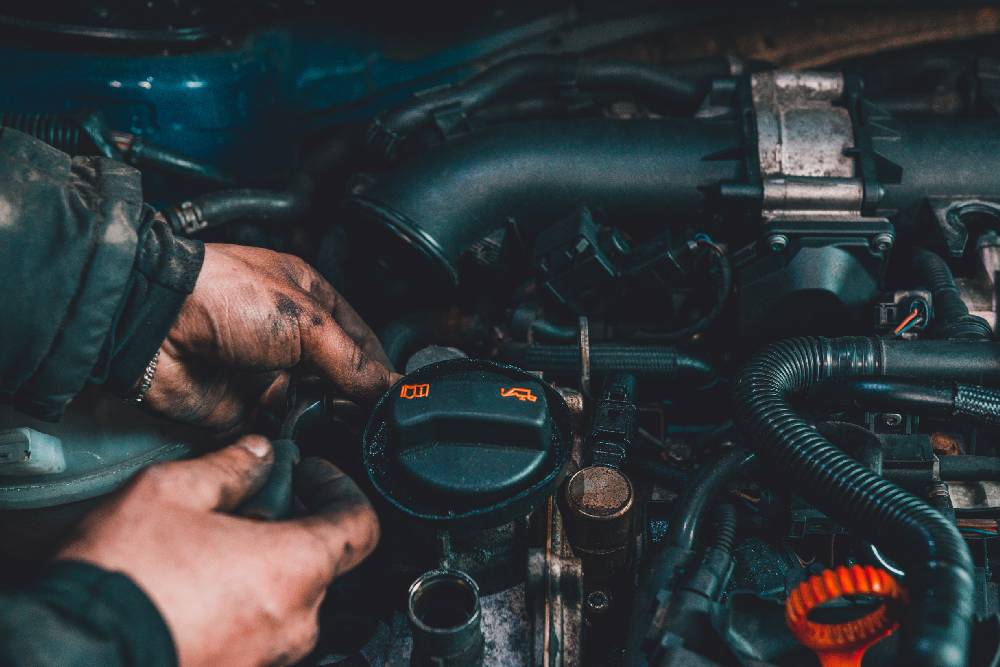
345	315
341	361
220	480
255	319
233	591
340	516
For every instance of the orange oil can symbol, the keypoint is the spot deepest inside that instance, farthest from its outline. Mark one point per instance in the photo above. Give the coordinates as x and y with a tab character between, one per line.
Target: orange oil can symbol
412	391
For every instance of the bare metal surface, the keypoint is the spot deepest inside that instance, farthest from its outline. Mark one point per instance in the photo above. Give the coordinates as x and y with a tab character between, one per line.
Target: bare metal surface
968	495
799	131
585	356
600	521
505	625
989	256
555	598
599	492
803	139
533	623
808	195
574	401
980	293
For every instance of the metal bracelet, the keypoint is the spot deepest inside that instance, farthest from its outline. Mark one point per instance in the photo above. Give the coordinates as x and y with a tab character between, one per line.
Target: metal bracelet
147	379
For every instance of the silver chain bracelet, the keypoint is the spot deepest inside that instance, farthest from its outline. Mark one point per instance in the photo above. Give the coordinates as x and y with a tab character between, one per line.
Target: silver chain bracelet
147	379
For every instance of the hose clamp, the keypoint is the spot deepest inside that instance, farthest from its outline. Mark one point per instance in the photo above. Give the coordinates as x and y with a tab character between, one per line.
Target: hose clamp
189	218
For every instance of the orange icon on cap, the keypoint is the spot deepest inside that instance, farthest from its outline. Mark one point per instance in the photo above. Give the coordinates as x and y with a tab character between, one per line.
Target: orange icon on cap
520	393
412	391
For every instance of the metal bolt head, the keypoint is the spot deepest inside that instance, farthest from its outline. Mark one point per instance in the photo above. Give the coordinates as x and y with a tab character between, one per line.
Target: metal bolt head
598	602
892	419
883	242
777	242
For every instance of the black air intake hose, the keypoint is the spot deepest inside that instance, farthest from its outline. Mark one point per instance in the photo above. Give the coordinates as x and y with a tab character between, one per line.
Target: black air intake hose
642	361
951	315
930	548
443	201
530	72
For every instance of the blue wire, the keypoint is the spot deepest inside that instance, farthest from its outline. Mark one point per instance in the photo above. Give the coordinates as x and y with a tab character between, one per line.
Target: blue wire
979	531
914	322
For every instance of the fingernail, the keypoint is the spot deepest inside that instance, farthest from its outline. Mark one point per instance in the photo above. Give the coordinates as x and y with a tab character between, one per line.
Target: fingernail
259	447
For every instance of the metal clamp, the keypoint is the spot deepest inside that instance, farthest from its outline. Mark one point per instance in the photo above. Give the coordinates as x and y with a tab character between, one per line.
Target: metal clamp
585	356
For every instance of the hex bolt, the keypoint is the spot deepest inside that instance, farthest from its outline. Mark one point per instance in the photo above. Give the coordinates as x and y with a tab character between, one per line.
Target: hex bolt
777	242
883	242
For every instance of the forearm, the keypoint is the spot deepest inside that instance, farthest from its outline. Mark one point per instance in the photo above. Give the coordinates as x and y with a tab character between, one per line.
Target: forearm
92	281
82	615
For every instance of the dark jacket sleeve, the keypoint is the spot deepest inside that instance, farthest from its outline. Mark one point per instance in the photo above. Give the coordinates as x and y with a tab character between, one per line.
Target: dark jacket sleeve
80	616
91	279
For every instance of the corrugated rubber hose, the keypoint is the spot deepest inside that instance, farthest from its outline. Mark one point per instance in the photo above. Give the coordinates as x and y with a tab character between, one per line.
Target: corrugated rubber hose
930	548
951	316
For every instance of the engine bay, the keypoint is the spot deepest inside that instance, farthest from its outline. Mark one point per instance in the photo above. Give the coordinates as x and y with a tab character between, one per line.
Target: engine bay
695	311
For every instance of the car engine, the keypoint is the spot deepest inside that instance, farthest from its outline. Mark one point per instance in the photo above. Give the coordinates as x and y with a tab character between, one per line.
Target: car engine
695	308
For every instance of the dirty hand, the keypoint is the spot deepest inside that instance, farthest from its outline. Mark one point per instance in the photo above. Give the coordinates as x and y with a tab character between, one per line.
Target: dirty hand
254	316
233	591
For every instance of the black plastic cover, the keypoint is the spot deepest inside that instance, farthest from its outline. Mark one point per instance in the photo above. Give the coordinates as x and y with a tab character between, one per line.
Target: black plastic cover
468	442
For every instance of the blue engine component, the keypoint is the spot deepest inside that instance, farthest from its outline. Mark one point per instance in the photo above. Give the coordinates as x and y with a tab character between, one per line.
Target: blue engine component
247	108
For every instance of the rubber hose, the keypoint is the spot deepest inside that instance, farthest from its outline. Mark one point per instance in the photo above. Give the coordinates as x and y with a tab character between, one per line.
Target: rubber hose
951	316
216	209
969	468
142	153
725	528
688	513
554	332
686	519
725	287
865	446
931	550
979	404
53	129
404	336
394	126
888	395
664	474
642	361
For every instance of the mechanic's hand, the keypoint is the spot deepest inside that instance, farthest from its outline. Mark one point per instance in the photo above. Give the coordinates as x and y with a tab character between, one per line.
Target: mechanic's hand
233	591
254	316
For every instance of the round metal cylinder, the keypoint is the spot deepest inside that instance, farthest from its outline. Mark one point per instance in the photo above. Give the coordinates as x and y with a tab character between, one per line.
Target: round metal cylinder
599	520
445	618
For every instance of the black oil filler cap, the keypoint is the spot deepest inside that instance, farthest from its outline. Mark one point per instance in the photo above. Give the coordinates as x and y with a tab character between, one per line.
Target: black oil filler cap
470	433
468	439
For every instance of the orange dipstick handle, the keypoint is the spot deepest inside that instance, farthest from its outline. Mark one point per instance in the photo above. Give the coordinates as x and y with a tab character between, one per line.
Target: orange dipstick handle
844	644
